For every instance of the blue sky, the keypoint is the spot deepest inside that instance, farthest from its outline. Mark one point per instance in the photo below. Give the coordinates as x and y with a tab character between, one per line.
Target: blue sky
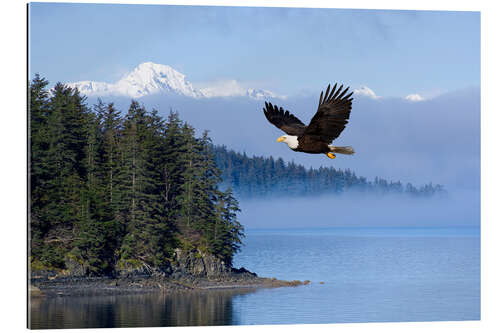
297	52
285	50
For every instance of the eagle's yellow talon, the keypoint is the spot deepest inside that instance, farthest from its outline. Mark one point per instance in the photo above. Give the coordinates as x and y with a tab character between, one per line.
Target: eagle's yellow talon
331	155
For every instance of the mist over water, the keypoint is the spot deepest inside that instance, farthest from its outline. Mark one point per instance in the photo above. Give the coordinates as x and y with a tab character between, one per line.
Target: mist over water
435	140
362	210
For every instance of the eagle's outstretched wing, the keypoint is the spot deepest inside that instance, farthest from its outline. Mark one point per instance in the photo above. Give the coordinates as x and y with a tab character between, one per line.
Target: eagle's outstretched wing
330	119
284	120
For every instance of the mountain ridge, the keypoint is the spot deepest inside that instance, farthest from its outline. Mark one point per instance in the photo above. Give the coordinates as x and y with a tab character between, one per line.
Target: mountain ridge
149	78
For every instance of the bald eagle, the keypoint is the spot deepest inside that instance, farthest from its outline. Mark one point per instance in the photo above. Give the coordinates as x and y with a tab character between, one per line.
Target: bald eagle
326	125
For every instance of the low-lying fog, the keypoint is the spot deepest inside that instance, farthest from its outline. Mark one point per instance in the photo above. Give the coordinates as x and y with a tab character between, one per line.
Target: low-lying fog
358	210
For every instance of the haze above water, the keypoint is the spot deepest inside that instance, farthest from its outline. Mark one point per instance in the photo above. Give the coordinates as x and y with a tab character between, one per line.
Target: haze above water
362	210
435	140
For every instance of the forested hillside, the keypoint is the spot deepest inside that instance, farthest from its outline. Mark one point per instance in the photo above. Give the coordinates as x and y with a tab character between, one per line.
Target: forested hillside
261	176
108	190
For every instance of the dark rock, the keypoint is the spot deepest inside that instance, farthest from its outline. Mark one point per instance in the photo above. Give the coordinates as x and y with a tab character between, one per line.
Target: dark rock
74	268
43	274
197	263
127	270
188	270
242	270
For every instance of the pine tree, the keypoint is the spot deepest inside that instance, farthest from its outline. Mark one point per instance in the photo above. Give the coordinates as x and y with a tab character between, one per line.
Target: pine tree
97	230
228	232
64	164
39	174
174	148
190	160
110	125
148	237
206	191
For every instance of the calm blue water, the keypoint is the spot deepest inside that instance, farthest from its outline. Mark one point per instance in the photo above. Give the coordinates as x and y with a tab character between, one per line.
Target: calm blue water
368	275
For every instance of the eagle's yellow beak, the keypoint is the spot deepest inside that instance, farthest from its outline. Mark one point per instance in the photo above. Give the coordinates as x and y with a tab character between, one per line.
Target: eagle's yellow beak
280	139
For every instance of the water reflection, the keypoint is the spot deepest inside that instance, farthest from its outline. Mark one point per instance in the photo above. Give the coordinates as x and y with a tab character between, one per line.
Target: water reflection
173	309
401	275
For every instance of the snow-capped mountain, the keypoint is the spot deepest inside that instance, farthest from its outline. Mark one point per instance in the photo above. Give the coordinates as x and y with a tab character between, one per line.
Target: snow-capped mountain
146	79
414	98
232	88
149	78
365	91
261	94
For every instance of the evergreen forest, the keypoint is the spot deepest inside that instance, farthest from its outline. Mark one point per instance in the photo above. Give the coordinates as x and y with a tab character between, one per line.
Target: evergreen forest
108	190
253	177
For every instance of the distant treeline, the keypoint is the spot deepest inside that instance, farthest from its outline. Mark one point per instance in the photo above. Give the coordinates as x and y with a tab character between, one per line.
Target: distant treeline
110	191
261	176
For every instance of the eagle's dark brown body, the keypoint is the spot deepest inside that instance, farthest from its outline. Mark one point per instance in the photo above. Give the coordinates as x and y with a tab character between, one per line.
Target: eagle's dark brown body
326	125
311	146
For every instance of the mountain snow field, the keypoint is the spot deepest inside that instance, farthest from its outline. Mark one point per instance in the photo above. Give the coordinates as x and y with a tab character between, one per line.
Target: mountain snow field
149	78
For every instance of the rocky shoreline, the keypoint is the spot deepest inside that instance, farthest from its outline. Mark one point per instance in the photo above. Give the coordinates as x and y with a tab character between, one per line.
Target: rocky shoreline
68	286
191	271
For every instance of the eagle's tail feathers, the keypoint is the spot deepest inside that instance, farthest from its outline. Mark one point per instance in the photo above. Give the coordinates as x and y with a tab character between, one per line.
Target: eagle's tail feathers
348	150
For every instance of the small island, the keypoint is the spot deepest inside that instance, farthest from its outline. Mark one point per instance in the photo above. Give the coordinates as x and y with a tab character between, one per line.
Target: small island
124	204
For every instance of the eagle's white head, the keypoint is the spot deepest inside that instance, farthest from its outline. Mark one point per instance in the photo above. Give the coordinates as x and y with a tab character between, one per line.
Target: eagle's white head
290	140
